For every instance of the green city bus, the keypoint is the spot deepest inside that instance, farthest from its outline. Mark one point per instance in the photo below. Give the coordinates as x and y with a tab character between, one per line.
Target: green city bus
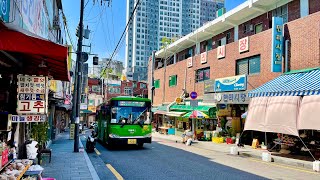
124	120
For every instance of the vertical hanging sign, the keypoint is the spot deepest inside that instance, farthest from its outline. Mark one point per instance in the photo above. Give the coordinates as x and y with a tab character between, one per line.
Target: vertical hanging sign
277	44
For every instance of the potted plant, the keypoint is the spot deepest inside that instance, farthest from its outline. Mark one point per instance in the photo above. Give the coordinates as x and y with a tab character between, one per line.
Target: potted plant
39	133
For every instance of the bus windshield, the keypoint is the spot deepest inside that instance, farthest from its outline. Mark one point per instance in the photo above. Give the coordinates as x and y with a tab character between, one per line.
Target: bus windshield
130	115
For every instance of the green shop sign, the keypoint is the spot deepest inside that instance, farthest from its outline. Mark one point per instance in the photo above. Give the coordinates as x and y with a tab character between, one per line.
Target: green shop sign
5	10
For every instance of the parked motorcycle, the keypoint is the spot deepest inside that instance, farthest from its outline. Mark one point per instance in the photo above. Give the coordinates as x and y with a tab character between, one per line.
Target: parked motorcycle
91	142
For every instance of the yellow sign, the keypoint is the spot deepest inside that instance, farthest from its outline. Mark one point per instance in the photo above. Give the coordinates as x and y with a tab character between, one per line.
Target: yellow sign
72	127
53	85
69	57
92	108
224	112
179	100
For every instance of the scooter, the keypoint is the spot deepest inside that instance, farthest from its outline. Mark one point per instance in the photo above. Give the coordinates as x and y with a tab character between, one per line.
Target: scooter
91	142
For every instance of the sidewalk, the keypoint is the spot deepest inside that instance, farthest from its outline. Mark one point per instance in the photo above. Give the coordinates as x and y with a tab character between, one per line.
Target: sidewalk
67	165
246	151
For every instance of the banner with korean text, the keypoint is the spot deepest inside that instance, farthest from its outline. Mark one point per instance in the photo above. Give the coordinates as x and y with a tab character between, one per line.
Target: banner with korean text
277	44
32	97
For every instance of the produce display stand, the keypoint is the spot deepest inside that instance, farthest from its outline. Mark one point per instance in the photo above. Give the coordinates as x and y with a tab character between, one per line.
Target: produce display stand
23	171
4	166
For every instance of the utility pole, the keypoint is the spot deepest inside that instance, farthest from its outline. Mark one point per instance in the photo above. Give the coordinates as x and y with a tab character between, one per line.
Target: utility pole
77	93
152	82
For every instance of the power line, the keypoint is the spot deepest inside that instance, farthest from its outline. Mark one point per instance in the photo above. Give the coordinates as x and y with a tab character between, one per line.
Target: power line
94	32
114	38
67	30
123	34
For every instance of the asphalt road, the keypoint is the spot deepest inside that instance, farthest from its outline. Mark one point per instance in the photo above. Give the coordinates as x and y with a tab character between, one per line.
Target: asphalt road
159	161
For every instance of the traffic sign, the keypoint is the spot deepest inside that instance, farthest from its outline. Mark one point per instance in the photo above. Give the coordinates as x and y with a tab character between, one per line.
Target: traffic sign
194	103
193	95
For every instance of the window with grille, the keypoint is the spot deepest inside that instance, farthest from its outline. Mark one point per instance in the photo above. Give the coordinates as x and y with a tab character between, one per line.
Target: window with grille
203	74
173	80
250	65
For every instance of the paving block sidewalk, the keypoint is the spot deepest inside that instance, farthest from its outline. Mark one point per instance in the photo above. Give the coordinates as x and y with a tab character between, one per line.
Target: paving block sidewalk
67	165
246	151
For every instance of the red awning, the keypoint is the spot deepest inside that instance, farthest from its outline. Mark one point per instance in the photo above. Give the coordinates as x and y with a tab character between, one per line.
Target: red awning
34	50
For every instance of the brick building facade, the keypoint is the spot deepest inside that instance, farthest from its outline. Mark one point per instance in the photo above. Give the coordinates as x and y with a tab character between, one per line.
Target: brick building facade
303	52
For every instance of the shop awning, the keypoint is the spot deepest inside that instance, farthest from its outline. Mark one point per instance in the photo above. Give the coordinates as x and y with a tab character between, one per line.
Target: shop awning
160	112
175	114
309	113
274	114
159	108
34	50
190	108
294	83
85	111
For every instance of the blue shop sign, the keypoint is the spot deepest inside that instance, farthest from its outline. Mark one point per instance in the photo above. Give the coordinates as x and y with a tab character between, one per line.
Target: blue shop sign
277	44
5	10
234	83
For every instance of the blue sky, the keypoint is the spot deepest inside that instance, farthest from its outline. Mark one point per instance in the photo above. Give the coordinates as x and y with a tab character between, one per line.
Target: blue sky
106	24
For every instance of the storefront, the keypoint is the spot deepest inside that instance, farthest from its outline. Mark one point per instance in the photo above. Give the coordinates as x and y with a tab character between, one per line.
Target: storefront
158	116
202	125
231	98
287	109
26	65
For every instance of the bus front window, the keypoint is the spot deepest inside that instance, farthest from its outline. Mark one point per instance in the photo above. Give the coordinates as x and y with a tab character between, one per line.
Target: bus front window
130	115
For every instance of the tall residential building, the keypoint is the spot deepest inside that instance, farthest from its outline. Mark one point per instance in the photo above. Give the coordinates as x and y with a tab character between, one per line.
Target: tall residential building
156	19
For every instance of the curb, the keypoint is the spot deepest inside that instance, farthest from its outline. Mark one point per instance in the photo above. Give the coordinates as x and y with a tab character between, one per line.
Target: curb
281	160
92	170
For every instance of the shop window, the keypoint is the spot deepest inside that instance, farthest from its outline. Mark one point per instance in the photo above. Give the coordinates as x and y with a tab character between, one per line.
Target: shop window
128	91
157	83
258	28
173	80
203	74
248	66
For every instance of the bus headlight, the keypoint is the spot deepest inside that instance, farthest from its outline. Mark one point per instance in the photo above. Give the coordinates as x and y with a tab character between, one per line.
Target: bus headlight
114	136
147	135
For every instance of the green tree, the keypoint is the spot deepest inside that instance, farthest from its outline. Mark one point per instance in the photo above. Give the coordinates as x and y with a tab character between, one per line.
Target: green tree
165	42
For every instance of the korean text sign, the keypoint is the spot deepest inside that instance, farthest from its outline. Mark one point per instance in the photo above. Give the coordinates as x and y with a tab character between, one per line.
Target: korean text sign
244	44
233	83
27	118
32	95
277	44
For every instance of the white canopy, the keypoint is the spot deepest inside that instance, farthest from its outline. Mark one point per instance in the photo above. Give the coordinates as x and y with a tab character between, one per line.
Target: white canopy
274	114
309	113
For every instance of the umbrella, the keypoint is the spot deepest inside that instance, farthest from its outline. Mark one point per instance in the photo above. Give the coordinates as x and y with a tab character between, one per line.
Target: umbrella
244	115
195	114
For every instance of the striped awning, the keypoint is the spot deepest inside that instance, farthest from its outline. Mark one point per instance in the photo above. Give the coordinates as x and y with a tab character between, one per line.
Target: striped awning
298	83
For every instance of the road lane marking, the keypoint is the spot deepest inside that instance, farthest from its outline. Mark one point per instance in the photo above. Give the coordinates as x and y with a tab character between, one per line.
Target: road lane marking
114	172
282	166
97	152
